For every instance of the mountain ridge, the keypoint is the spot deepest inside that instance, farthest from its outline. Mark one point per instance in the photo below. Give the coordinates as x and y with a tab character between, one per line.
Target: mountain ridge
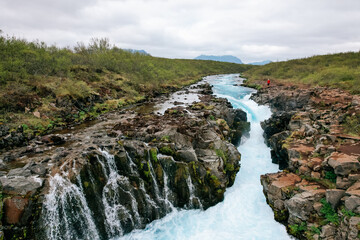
223	58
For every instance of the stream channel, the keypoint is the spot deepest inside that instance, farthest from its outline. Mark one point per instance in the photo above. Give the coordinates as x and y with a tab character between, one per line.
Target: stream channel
244	213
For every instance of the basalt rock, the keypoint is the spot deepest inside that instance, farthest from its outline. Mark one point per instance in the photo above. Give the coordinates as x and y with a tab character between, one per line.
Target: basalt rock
121	173
317	196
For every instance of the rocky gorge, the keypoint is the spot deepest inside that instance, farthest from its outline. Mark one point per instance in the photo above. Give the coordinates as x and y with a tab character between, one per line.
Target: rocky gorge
121	172
317	195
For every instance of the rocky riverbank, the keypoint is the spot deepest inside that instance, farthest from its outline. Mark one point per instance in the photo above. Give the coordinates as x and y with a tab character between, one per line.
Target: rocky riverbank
317	196
122	172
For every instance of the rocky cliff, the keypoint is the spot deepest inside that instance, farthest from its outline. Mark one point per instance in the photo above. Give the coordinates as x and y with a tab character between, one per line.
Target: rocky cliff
122	172
317	196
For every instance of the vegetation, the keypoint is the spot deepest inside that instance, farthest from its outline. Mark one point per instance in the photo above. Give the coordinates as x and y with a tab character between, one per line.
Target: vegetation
340	70
330	175
297	229
352	124
45	86
329	212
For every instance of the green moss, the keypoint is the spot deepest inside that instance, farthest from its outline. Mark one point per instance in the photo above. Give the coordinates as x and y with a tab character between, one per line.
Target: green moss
229	167
167	150
147	174
153	155
281	215
165	138
220	153
181	173
214	181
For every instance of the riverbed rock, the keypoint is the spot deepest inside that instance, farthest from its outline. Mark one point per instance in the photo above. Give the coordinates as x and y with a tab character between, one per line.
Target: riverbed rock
327	231
142	164
21	185
315	147
14	209
299	206
333	196
344	164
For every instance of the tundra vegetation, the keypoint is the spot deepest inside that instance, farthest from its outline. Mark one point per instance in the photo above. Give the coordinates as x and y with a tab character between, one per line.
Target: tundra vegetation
341	70
43	87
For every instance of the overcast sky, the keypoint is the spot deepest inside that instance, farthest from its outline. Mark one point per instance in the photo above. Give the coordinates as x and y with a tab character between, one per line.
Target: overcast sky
252	30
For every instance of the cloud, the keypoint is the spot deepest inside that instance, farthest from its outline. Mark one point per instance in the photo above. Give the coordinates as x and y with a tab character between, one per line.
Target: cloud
249	29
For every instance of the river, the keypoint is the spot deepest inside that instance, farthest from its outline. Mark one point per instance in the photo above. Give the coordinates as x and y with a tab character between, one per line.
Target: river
244	213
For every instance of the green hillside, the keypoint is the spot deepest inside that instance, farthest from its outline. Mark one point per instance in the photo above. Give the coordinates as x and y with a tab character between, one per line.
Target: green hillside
45	86
340	70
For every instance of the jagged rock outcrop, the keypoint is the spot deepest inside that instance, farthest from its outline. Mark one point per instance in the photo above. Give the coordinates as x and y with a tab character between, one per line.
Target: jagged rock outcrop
123	172
317	195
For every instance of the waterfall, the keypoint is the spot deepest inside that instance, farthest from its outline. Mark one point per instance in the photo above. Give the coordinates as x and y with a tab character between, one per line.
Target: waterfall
153	179
166	192
244	213
71	212
192	197
68	215
66	212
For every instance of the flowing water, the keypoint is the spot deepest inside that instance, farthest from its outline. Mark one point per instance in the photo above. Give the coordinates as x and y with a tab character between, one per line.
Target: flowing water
244	213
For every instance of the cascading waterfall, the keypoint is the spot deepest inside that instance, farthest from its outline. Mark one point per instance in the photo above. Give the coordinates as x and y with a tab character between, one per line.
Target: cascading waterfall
192	197
111	197
244	213
66	211
153	177
166	191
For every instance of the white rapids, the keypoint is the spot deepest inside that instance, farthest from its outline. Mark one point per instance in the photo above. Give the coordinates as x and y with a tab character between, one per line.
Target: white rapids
244	213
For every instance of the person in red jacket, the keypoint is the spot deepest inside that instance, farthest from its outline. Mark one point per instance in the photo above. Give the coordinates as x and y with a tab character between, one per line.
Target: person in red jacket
268	82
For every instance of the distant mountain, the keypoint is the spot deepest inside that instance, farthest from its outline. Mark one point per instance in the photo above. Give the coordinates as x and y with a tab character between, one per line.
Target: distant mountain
137	51
225	58
260	63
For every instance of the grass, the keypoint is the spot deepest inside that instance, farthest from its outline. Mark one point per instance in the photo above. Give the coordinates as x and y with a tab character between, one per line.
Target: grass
61	83
341	70
352	124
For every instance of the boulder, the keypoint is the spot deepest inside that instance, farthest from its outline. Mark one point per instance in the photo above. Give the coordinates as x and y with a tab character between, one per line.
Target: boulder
354	230
343	164
21	185
187	155
38	169
327	231
343	182
300	206
352	203
54	139
274	184
19	172
333	196
14	209
276	123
